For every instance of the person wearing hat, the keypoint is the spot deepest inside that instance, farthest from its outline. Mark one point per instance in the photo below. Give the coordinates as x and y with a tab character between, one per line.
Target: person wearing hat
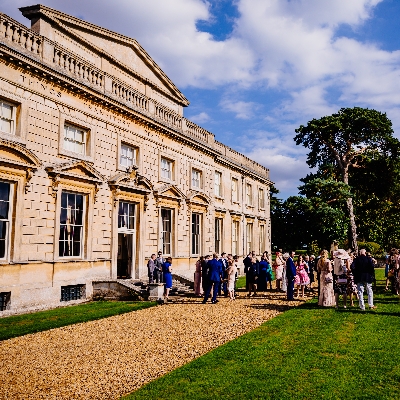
341	264
158	271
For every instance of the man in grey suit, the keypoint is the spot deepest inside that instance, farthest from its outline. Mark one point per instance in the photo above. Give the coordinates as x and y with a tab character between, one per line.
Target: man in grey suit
151	266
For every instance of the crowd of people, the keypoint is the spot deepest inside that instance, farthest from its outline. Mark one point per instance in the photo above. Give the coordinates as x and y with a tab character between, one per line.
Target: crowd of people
339	275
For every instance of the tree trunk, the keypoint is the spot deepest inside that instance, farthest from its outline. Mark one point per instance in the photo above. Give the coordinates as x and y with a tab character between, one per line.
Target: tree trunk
350	209
353	226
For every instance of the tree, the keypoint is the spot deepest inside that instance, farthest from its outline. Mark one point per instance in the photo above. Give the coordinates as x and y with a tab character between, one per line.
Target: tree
342	140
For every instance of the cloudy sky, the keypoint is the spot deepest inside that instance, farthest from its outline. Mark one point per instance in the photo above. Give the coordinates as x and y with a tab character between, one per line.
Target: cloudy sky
254	70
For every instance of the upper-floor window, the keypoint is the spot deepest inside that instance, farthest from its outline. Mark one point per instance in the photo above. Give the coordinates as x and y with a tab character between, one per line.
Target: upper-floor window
7	117
218	184
196	179
249	194
71	225
75	139
261	198
128	155
235	190
166	168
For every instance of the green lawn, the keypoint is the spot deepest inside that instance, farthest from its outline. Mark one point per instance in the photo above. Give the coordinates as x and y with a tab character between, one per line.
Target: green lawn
307	352
19	325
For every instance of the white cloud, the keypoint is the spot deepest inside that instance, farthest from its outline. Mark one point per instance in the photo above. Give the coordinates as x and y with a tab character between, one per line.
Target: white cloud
200	118
242	109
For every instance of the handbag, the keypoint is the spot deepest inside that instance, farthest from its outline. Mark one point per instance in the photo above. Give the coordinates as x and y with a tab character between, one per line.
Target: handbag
342	279
328	279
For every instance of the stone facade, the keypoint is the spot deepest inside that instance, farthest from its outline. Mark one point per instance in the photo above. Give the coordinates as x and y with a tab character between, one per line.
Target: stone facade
99	168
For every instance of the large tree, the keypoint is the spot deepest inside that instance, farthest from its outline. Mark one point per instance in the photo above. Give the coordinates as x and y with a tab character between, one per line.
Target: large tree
343	140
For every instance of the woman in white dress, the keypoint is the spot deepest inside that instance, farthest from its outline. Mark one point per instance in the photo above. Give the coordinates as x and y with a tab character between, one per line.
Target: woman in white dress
231	274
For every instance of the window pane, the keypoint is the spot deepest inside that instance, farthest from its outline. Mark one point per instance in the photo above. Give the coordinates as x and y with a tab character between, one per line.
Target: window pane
6	111
4	191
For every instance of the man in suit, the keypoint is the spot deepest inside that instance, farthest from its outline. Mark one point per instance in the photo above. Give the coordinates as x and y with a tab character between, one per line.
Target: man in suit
214	278
290	275
224	263
151	266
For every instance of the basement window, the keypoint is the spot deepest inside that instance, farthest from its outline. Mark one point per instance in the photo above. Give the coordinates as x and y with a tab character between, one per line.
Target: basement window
5	301
72	292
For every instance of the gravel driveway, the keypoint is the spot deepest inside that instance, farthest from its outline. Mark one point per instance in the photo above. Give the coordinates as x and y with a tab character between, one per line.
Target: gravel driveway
108	358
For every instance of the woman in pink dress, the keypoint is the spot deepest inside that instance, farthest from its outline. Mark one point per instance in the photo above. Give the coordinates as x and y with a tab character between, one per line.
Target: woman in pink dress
301	279
278	266
327	295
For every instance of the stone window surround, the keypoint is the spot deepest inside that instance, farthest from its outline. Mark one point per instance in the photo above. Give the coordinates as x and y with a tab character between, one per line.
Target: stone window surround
173	160
201	231
10	219
87	193
235	221
174	228
197	167
235	201
90	137
132	143
248	184
21	119
221	196
260	206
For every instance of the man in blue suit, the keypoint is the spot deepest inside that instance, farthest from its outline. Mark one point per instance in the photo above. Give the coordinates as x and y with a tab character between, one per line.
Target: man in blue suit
290	275
214	278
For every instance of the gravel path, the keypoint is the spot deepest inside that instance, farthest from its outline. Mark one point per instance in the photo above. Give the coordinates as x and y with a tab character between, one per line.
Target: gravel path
108	358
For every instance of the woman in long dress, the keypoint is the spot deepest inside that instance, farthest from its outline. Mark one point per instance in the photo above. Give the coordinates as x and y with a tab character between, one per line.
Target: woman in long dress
278	267
326	296
197	277
231	274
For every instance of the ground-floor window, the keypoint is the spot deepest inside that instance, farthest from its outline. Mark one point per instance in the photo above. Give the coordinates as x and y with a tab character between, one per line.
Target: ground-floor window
262	238
166	231
71	225
5	300
72	292
218	235
5	217
235	237
196	233
249	237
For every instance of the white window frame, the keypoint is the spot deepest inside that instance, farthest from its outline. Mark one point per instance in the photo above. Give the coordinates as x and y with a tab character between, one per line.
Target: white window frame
218	225
235	198
130	161
196	179
249	237
12	119
82	226
196	233
8	221
218	183
235	236
166	173
68	127
261	198
249	194
165	233
130	221
262	238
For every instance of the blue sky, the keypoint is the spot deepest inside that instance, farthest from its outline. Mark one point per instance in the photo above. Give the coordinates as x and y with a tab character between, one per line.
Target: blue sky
254	70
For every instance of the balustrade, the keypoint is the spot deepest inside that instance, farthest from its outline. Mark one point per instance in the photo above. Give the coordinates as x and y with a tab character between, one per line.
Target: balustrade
16	33
130	95
168	116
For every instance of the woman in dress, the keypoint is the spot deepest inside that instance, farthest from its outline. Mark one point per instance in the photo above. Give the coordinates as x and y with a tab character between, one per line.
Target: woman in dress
167	271
231	274
197	277
278	267
341	264
326	296
351	286
301	279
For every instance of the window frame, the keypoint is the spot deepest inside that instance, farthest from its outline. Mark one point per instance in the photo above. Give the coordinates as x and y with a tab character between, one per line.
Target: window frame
171	231
219	186
170	171
249	236
197	179
261	198
84	143
261	238
249	194
237	199
135	151
235	237
83	238
8	220
14	109
196	234
218	229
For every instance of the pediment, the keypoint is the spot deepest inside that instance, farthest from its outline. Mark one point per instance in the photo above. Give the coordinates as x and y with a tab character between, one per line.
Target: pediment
170	191
198	198
131	181
80	170
15	154
126	58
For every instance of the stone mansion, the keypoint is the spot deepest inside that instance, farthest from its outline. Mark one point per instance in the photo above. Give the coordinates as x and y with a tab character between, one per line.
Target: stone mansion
99	169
